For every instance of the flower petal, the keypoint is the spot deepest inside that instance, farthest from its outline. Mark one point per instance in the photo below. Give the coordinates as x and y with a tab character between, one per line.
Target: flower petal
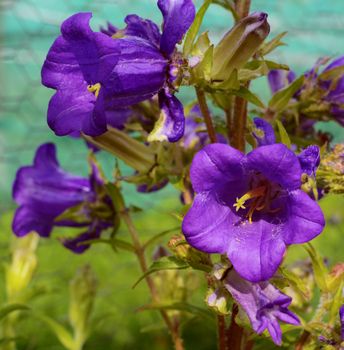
178	17
138	75
216	164
266	134
142	28
76	110
206	224
279	79
278	163
77	245
309	159
305	218
255	249
171	123
27	220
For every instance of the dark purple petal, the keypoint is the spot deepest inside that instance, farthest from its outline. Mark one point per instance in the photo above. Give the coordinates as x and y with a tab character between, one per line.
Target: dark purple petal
206	224
142	28
309	159
266	134
44	191
77	32
77	245
109	30
264	305
255	249
341	318
178	17
138	75
171	123
277	163
305	219
279	79
144	188
76	110
216	164
27	220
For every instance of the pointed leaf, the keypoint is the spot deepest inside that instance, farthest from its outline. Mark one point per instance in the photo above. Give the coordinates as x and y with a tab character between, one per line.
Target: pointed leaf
319	268
283	134
62	334
281	98
180	306
193	30
11	308
296	282
165	263
249	96
159	235
272	44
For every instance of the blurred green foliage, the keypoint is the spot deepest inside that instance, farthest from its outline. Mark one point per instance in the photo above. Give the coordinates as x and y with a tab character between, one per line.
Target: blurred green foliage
117	324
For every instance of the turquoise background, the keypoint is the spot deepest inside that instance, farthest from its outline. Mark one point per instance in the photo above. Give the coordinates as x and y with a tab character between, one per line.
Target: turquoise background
27	29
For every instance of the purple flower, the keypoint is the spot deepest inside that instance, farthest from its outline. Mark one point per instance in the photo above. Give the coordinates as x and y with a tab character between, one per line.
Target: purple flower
95	73
44	191
264	305
309	160
279	79
250	207
264	134
78	65
335	96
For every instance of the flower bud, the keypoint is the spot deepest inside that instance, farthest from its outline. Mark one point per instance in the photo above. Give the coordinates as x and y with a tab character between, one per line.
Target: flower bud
24	262
239	45
82	294
195	258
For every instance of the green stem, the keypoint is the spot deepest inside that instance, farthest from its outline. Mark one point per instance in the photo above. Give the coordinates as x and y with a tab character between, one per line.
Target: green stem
206	114
139	251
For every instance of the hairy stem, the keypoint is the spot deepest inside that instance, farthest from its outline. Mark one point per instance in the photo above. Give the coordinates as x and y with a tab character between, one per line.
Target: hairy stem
206	114
139	251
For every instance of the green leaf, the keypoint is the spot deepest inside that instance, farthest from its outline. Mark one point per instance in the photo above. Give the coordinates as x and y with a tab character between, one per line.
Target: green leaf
296	282
338	300
281	98
60	331
232	83
165	263
283	134
180	306
272	44
203	69
249	96
319	268
332	73
192	32
115	195
11	308
159	235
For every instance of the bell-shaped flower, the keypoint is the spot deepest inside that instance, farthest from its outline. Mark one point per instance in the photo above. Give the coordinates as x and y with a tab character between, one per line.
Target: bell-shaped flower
95	73
250	207
263	303
44	191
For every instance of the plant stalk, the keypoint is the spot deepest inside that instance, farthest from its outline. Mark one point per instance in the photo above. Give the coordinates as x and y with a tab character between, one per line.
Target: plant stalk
206	114
139	251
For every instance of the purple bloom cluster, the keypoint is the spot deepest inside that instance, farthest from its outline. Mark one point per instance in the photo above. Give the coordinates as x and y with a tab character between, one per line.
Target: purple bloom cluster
44	191
250	207
96	73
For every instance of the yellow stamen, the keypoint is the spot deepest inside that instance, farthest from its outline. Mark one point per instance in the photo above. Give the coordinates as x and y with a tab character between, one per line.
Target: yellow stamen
257	192
95	88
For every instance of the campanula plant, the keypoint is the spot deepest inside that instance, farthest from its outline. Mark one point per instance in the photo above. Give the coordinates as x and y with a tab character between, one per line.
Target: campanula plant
249	175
